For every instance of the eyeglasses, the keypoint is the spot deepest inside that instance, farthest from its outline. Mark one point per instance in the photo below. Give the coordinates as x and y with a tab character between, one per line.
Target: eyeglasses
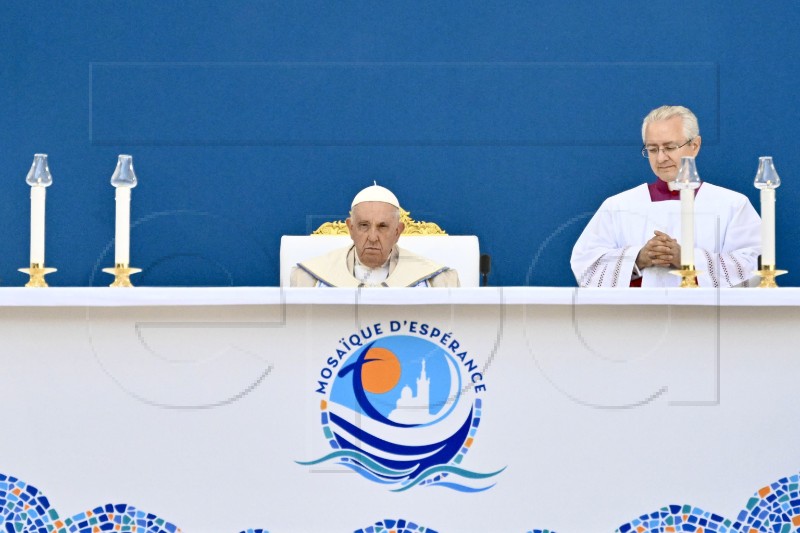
652	151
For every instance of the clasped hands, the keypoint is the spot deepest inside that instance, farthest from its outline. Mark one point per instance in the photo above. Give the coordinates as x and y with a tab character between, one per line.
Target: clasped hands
661	250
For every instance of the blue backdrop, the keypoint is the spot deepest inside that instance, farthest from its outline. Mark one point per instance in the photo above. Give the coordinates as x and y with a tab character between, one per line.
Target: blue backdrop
249	120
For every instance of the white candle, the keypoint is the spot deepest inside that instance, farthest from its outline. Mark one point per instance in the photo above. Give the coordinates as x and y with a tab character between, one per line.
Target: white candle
687	227
37	225
122	236
768	227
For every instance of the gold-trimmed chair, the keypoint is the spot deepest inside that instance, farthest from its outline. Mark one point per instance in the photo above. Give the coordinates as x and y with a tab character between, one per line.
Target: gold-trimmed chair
460	252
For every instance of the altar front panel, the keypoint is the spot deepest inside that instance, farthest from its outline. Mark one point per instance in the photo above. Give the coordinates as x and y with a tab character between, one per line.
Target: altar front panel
217	417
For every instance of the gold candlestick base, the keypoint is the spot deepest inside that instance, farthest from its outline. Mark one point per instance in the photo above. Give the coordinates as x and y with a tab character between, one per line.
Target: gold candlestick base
688	276
37	273
768	274
122	274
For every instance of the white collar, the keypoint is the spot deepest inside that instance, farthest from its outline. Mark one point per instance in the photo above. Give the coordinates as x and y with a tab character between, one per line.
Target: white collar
370	277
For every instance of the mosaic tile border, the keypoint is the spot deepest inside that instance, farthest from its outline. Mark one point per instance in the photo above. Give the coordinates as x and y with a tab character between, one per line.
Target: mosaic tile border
774	508
395	526
24	509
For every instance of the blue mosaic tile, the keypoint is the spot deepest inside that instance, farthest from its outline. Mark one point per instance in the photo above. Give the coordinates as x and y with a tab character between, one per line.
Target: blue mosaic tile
395	526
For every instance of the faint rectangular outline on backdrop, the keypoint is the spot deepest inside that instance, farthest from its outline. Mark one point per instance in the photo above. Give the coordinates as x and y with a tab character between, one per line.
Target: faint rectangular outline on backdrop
715	401
711	92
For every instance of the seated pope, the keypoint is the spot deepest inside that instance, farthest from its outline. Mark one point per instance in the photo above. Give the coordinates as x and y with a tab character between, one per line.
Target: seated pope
374	259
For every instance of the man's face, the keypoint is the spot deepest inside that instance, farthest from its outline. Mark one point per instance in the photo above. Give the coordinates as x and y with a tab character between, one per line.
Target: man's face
668	134
374	228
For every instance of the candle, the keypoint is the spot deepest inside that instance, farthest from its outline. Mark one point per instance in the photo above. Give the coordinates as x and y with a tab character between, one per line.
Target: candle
122	235
687	181
38	178
123	179
768	227
767	180
37	225
687	228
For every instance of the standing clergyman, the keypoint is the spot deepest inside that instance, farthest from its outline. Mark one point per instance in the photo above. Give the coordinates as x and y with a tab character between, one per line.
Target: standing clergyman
629	241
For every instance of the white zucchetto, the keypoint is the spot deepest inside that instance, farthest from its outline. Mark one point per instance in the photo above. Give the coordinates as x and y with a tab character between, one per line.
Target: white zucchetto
376	193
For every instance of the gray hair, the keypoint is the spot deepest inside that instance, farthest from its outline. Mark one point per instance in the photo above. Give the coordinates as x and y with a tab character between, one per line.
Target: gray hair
690	127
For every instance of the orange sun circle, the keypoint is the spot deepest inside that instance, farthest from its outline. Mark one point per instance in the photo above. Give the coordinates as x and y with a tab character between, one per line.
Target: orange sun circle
381	371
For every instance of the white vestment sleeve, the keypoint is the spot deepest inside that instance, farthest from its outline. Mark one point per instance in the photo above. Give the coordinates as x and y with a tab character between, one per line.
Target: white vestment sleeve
598	259
733	261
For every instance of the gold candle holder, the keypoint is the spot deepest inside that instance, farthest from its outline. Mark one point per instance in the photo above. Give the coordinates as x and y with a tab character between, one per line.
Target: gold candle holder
768	274
688	276
37	273
122	274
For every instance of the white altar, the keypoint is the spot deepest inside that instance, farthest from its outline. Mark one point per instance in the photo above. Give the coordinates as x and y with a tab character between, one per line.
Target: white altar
223	409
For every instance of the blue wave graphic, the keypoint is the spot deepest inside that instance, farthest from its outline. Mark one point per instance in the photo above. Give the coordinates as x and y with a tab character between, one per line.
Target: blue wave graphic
385	445
367	474
448	469
360	457
358	462
462	488
441	452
